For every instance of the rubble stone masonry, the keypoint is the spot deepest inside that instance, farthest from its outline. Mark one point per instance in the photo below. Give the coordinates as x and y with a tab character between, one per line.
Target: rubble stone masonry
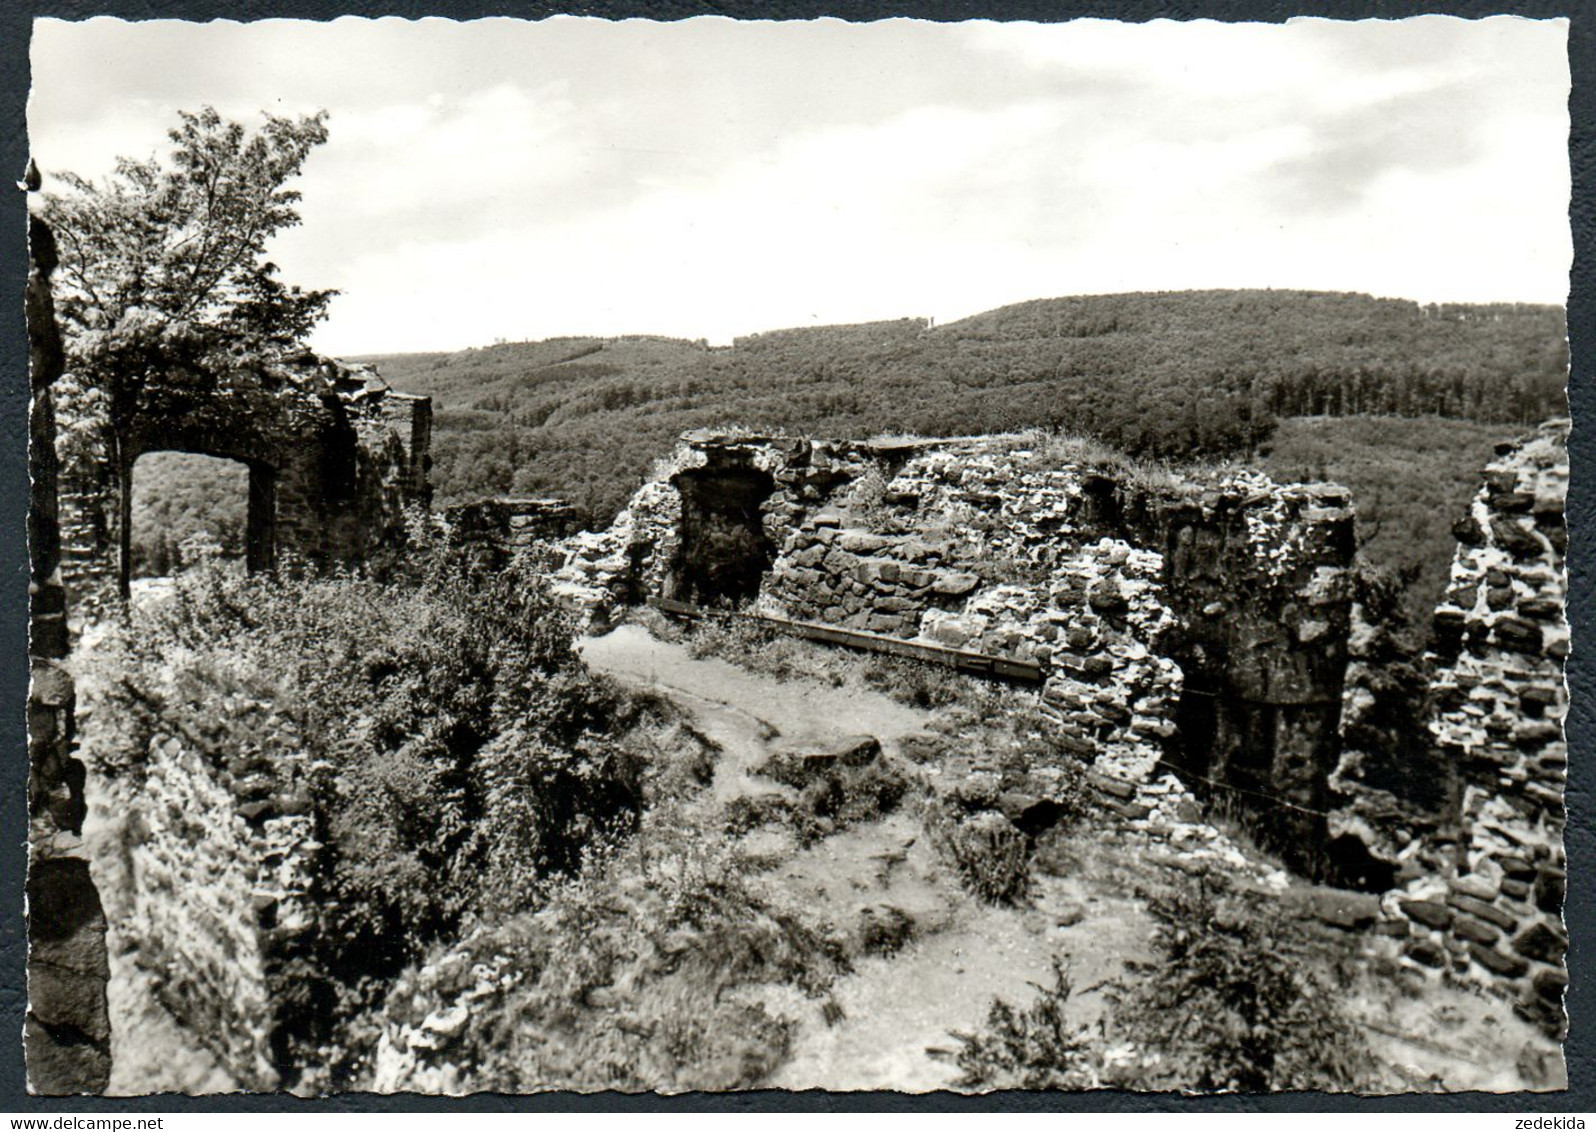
1199	627
67	1034
335	458
1501	639
224	855
1152	605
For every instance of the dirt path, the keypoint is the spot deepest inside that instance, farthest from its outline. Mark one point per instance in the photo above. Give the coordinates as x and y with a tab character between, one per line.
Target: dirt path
898	1009
797	711
888	1024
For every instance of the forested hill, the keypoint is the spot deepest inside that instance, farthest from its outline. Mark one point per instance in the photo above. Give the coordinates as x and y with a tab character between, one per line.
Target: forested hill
1179	375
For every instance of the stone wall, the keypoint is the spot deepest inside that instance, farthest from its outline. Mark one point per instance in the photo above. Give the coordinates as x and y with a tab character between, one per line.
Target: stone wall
640	555
500	528
1259	579
1204	628
67	1033
1157	609
334	455
223	857
1501	638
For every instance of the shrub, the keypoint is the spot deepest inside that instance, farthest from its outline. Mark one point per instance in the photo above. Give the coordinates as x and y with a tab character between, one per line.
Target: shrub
758	647
750	811
1233	1001
865	502
916	682
680	760
884	929
1033	1048
626	979
829	799
456	756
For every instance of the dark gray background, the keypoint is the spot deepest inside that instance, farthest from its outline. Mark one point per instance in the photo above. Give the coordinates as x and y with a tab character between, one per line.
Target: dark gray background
15	21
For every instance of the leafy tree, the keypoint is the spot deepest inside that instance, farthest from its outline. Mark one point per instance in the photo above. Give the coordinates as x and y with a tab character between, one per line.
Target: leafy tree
163	267
164	263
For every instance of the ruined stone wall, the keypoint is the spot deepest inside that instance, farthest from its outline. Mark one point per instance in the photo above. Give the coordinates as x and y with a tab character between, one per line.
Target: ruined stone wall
223	856
500	528
1259	578
1218	613
334	456
975	550
224	846
1501	638
67	1033
640	555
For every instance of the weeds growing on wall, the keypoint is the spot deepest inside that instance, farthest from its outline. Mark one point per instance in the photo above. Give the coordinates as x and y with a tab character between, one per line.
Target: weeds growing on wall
455	754
628	977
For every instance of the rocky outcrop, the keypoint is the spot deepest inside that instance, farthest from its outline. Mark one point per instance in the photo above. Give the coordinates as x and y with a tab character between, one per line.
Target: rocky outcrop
1501	639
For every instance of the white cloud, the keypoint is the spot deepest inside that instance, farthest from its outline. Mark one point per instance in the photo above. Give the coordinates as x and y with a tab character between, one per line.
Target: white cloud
709	178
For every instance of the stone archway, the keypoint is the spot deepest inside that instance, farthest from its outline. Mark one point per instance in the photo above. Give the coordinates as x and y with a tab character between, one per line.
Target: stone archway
335	458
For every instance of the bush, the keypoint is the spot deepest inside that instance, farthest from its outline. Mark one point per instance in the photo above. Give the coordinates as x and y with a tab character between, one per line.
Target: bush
992	857
627	979
1034	1048
680	760
864	502
884	930
916	683
828	800
1233	1001
455	755
738	640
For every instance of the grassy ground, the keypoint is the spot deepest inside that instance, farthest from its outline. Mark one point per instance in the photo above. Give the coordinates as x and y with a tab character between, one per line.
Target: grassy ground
929	959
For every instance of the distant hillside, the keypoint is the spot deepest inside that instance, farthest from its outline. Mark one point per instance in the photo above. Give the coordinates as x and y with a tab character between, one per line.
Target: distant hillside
1181	376
1411	478
1399	402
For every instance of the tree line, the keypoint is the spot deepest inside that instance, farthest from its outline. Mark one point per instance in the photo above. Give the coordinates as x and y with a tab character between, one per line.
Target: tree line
1180	376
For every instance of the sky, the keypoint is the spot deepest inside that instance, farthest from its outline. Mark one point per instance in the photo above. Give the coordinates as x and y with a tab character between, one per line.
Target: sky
508	180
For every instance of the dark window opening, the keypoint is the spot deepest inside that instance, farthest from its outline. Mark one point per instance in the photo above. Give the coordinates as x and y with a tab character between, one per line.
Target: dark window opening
1349	864
724	552
1197	725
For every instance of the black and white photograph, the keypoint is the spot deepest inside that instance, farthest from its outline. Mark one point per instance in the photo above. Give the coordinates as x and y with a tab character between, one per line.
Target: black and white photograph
631	557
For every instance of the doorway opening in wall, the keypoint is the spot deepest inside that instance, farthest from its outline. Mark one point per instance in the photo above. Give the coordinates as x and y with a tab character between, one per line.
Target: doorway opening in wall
184	506
724	552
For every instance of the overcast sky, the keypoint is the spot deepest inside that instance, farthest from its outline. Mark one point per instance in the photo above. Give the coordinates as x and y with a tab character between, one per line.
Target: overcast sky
504	179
